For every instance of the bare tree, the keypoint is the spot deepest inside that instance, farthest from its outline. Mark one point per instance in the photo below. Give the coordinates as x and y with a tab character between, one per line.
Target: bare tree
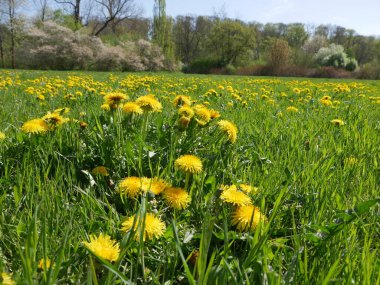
75	5
43	8
8	9
113	12
1	44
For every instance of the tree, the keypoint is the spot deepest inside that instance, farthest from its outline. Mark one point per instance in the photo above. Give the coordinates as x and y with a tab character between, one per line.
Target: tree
229	39
9	8
189	33
296	35
162	29
43	9
278	53
75	5
113	12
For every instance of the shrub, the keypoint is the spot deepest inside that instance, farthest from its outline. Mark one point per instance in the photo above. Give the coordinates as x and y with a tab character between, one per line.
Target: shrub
203	66
335	56
51	46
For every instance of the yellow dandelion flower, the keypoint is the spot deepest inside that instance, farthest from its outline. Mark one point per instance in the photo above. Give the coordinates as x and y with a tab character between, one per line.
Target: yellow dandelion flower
176	198
182	100
106	107
186	111
132	108
229	129
44	264
203	116
153	226
103	246
130	186
158	186
292	109
189	163
61	111
2	136
248	188
41	97
114	98
6	279
228	187
337	122
235	197
100	170
184	122
149	103
54	119
35	126
326	102
247	218
214	114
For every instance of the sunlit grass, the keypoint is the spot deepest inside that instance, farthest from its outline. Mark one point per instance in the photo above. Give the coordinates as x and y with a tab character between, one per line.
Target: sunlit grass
315	180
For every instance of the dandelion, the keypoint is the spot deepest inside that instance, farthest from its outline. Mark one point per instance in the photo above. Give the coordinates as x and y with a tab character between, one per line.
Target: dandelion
326	102
229	129
35	126
54	119
176	198
130	186
158	186
149	103
337	122
203	116
184	122
292	109
214	114
105	107
100	170
6	279
247	217
189	164
132	108
103	246
2	136
248	188
61	111
186	111
153	226
114	98
182	100
235	197
44	264
83	125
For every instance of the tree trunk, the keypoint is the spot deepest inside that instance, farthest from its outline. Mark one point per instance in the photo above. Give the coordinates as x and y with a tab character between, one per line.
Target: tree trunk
11	11
1	50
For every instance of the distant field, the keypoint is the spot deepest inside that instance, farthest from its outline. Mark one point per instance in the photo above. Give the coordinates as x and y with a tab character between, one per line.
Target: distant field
210	180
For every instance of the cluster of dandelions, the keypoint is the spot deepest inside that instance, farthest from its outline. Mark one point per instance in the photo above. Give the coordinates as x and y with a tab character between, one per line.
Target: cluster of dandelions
148	226
245	216
202	115
48	122
146	103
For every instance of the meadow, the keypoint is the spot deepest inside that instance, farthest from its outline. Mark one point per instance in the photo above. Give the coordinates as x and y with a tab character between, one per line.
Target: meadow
179	179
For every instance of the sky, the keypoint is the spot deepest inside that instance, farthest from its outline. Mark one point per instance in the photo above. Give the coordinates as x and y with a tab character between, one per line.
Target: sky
361	15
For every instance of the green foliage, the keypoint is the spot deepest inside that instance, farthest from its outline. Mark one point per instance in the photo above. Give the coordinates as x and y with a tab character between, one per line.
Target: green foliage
229	39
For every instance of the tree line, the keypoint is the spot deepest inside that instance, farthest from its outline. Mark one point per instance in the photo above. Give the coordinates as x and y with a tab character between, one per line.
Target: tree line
112	35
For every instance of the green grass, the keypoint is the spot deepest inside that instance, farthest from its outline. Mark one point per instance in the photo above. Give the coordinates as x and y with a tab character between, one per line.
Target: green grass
318	183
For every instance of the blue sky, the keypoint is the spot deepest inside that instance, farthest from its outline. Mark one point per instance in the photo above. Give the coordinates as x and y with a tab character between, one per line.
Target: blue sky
361	15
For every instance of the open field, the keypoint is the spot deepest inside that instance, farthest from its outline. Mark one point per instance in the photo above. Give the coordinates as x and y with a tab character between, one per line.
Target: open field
282	185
